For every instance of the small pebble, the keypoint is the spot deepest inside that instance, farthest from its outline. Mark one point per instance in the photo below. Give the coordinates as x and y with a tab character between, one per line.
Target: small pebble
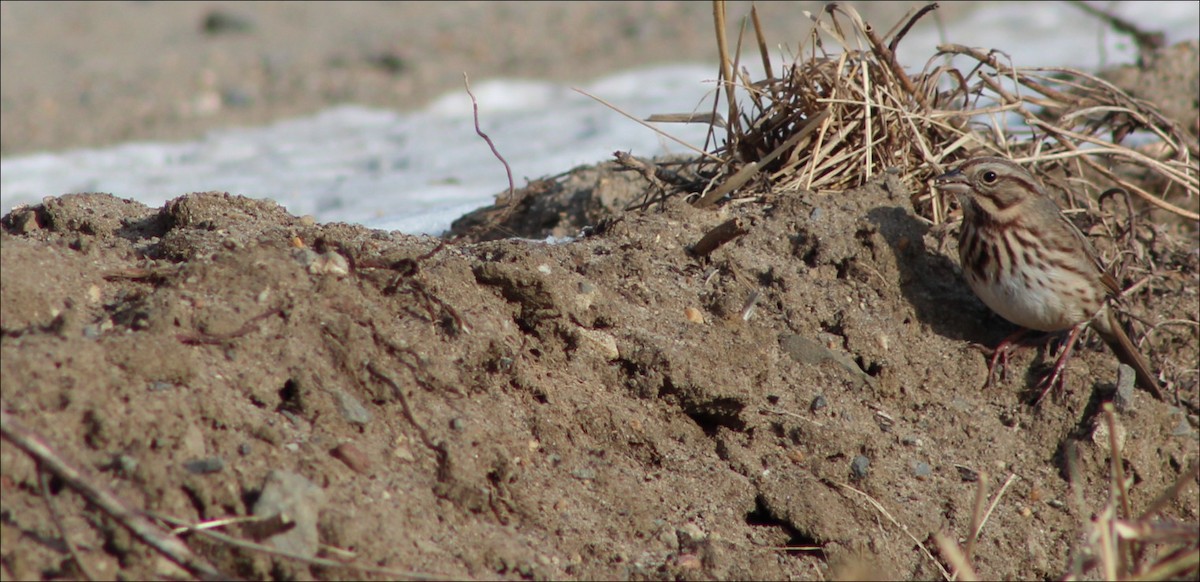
352	457
1123	398
456	424
244	449
688	562
818	403
858	467
205	466
922	470
1184	428
126	464
690	534
351	409
584	474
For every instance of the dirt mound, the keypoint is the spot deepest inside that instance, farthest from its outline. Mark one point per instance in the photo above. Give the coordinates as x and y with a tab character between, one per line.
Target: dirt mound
804	398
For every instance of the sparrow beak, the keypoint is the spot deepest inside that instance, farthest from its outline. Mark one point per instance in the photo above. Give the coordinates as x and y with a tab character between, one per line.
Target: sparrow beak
953	181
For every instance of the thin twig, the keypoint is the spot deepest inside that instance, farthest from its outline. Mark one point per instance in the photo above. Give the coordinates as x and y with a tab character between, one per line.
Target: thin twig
651	127
977	513
169	546
878	507
963	570
265	549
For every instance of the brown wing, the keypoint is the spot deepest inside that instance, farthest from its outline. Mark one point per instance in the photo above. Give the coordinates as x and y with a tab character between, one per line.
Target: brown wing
1106	278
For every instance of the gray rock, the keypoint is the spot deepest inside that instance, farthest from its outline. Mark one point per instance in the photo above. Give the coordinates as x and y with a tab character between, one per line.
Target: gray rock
205	466
1123	398
352	410
293	499
818	403
858	467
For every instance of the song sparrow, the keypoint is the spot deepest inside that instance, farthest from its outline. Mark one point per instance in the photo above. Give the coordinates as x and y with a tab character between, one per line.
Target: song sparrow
1030	264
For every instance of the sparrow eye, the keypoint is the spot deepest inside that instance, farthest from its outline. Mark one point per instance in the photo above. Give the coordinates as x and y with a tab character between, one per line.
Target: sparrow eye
989	177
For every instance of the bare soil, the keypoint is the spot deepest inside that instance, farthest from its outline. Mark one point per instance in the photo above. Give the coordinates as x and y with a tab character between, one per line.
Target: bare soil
604	408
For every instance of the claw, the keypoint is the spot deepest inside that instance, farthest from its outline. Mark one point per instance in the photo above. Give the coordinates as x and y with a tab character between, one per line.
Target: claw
1057	376
1001	353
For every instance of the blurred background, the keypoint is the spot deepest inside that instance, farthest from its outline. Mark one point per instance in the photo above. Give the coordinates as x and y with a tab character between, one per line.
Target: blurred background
95	73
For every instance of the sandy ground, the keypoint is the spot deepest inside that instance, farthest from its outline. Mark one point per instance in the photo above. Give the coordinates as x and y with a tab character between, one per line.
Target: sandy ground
95	73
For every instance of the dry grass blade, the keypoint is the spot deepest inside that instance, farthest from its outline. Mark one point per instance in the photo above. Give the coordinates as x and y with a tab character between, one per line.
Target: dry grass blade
205	529
1121	544
878	507
877	117
963	570
172	548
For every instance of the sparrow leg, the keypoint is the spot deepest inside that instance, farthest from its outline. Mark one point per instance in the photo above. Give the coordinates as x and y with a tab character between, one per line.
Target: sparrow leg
1001	353
1057	376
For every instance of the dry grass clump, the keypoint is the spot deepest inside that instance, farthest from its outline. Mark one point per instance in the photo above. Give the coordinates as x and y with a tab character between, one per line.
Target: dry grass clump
846	111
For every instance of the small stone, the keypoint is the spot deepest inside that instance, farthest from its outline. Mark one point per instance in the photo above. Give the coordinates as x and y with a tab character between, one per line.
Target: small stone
911	441
1123	397
818	403
125	464
295	500
244	449
1184	428
967	474
402	451
584	474
24	220
351	409
456	424
858	467
922	470
689	535
599	342
353	457
330	263
205	466
693	315
688	562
